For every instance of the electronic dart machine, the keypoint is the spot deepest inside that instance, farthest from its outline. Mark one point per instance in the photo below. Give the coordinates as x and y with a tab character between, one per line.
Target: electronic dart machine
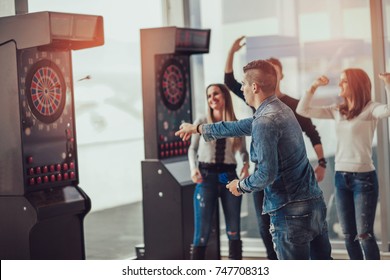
41	206
166	181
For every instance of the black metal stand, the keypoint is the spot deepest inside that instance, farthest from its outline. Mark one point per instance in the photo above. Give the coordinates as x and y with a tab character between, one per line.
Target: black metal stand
168	213
44	225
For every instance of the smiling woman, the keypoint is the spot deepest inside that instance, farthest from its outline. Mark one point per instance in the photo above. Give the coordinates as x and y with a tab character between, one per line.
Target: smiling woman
355	178
213	165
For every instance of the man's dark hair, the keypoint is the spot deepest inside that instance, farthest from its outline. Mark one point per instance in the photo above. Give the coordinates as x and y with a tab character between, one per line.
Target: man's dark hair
264	75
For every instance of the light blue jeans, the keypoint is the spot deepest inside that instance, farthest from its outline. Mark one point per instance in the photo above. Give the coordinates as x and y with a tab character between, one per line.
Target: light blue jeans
300	232
356	201
205	201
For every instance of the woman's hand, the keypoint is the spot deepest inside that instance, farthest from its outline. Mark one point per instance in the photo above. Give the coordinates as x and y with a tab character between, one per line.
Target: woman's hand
320	81
196	177
238	44
385	77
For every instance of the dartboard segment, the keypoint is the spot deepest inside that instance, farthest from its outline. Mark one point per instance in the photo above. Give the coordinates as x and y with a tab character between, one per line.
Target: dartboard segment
173	103
173	84
46	91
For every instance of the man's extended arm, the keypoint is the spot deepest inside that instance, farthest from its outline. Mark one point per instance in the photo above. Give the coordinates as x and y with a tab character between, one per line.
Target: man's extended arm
217	130
223	129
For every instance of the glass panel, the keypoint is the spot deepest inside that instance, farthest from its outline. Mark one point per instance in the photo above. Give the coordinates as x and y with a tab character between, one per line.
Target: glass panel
310	40
386	28
345	43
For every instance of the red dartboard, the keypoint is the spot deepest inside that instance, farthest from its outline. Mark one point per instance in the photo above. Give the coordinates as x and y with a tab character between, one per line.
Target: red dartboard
173	85
46	91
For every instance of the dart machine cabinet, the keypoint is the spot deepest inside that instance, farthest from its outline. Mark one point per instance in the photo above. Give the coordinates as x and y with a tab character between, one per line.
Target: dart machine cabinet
41	206
166	179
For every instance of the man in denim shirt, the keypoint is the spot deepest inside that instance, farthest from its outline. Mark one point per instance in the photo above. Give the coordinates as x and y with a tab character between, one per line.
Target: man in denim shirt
292	198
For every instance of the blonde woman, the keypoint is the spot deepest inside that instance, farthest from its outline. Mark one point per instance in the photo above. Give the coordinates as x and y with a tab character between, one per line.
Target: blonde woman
212	165
355	179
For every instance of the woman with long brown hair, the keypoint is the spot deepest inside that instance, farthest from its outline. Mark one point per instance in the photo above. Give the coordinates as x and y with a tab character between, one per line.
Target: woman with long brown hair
212	165
355	179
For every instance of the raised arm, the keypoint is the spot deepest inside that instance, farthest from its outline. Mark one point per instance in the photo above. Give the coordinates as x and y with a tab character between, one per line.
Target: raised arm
237	45
383	110
229	79
304	105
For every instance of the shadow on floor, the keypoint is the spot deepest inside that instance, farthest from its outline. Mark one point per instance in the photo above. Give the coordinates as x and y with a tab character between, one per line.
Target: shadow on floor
112	234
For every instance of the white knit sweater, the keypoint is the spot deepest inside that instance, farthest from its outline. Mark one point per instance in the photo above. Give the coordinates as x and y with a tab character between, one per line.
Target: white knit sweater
202	151
355	136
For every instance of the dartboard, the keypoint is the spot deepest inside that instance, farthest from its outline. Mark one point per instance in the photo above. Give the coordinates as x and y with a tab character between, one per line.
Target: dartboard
173	84
46	91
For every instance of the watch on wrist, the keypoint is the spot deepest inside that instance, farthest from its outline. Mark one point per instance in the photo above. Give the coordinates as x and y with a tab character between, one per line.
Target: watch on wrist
239	189
322	162
197	128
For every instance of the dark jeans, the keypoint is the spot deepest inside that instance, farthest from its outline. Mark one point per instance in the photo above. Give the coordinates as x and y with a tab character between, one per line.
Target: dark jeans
263	222
331	216
300	232
205	199
356	201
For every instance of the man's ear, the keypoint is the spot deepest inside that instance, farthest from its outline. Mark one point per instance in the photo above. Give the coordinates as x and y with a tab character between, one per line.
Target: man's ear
255	87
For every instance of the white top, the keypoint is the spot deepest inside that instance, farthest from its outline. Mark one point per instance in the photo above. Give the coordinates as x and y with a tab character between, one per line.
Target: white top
354	137
202	151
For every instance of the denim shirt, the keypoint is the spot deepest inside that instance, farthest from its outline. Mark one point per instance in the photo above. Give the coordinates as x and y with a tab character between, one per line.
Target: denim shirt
278	150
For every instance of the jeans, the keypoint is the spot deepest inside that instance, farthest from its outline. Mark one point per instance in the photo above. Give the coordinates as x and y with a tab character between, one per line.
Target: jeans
356	201
263	222
299	231
205	201
331	216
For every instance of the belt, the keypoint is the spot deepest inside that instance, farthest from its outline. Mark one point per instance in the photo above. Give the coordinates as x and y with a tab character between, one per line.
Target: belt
218	167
